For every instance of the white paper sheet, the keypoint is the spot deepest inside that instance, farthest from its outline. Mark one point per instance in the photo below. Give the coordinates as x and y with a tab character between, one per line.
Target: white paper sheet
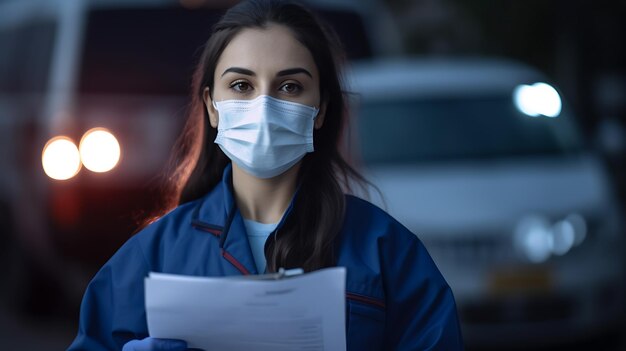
304	312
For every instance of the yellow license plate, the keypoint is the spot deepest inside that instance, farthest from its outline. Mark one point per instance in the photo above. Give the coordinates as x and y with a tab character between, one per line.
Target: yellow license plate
520	281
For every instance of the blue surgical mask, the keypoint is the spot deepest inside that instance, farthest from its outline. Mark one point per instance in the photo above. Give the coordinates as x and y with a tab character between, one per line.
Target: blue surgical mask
265	136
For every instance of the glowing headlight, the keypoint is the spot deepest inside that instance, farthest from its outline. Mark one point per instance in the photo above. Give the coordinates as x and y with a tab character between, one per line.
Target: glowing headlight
99	150
537	239
580	227
60	158
537	99
563	237
533	239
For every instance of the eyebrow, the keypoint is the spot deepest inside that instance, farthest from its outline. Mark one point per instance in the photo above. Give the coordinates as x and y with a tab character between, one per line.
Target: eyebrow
285	72
239	70
291	71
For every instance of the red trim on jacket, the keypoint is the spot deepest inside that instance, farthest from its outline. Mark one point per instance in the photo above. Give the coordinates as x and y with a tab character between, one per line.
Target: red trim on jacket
365	299
235	263
204	228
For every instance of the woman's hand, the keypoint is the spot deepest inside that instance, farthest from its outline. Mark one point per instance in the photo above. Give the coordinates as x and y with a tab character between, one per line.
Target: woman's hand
153	344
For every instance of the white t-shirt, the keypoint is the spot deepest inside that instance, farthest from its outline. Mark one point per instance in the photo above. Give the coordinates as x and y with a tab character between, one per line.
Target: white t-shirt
257	235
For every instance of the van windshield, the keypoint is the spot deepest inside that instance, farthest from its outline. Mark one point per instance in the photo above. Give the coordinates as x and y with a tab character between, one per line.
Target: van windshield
440	129
25	56
142	50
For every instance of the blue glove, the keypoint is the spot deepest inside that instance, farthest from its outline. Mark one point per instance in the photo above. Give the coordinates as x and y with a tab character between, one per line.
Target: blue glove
153	344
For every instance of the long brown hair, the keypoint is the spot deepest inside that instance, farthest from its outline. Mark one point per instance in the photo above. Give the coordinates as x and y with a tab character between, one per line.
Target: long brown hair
307	237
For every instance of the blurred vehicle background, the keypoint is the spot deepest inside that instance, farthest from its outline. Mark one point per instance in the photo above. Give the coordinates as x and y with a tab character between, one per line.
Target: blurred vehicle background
482	160
477	169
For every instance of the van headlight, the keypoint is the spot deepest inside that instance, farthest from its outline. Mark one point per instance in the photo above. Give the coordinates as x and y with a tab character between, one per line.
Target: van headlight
537	238
99	151
539	99
60	158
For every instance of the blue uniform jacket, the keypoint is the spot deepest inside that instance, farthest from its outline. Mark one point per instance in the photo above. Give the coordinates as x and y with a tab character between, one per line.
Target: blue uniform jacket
396	297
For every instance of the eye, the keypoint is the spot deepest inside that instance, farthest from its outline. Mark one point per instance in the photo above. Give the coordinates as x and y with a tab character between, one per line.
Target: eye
240	86
291	88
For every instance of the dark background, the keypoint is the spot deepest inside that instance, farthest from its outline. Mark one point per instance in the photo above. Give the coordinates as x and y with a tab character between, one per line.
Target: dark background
579	45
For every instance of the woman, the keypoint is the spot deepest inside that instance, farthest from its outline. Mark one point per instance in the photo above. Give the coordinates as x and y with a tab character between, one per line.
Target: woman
260	188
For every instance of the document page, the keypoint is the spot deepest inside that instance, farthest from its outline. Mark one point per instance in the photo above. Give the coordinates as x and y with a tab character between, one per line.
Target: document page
303	312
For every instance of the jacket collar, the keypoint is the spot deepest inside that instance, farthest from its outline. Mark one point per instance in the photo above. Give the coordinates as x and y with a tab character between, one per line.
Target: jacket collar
216	208
217	213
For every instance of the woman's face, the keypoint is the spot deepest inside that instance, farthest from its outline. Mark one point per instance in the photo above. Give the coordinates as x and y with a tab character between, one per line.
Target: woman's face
267	61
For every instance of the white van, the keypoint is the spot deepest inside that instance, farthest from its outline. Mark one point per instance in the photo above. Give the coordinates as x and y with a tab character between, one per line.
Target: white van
483	161
69	66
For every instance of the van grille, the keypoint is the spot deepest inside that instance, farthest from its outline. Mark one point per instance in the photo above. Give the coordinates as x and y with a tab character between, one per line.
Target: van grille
476	249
